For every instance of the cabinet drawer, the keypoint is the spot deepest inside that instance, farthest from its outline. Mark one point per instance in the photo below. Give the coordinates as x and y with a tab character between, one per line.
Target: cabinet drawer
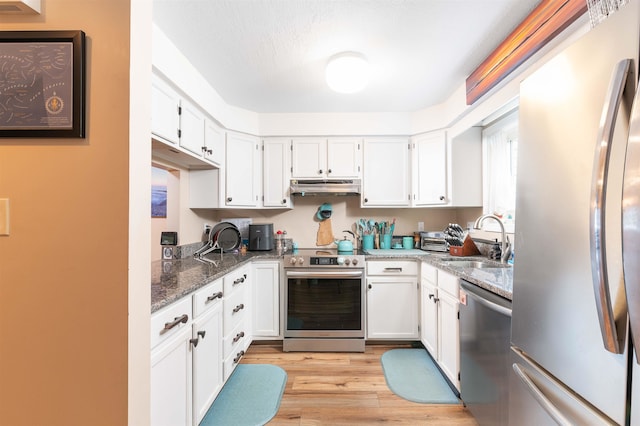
170	320
231	362
403	267
235	280
207	297
236	339
449	283
235	310
429	272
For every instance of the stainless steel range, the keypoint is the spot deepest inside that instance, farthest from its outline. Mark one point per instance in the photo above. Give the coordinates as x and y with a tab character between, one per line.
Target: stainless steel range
324	301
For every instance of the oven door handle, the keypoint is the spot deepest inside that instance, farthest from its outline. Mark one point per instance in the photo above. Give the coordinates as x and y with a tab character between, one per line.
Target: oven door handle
324	274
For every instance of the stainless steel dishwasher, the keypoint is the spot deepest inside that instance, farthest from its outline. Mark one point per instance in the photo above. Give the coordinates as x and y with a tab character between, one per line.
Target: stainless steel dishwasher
485	334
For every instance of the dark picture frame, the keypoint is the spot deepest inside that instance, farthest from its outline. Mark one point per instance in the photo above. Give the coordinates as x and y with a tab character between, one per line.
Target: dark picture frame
42	84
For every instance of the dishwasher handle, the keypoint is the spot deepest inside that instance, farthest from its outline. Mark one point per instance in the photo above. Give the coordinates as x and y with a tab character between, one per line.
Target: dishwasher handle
476	294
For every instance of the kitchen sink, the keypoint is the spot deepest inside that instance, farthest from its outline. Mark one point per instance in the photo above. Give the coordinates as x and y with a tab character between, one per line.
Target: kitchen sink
463	263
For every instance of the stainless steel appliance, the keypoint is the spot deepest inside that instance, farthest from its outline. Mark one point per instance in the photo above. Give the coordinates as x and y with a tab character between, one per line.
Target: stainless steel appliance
307	187
433	241
577	225
485	332
324	301
261	236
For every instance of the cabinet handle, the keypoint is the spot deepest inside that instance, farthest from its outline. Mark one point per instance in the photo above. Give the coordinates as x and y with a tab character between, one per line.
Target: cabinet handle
392	269
229	199
214	296
238	308
202	333
209	151
204	149
237	358
240	280
177	320
238	337
194	342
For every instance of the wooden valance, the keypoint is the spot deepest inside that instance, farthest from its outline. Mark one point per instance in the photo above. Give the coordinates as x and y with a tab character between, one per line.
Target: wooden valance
546	21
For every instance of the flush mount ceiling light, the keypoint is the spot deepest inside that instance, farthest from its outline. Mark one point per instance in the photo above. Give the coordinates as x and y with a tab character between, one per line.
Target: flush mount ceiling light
347	72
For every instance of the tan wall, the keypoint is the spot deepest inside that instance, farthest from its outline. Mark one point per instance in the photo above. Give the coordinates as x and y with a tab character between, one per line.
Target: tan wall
63	269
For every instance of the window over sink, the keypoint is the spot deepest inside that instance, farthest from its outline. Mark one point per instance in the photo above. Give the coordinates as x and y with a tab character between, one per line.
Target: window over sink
500	152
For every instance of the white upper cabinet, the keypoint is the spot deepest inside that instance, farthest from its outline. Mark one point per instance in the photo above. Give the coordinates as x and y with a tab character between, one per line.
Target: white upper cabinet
429	169
165	104
192	128
214	141
386	172
446	172
322	158
243	171
276	176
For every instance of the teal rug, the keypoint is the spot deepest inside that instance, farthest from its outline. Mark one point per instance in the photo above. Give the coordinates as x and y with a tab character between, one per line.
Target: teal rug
250	397
412	375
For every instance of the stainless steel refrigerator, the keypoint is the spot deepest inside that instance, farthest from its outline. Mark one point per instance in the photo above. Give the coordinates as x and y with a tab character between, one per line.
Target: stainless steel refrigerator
578	234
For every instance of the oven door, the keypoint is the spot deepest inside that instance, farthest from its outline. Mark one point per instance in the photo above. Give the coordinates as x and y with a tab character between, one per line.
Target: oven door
324	303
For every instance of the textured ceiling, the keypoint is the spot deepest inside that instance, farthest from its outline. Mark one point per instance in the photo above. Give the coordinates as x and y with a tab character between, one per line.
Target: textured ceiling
269	55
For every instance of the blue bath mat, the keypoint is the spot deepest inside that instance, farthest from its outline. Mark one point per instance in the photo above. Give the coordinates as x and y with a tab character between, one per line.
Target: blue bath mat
412	375
251	396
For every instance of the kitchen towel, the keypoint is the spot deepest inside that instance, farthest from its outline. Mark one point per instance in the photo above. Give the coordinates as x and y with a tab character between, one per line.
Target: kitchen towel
250	397
412	375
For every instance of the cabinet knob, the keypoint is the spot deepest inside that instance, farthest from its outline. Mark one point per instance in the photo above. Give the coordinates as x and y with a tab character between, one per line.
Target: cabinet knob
284	201
370	286
366	200
229	199
442	198
329	171
320	171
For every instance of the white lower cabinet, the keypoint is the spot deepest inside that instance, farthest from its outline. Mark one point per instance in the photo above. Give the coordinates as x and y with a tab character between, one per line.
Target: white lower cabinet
392	300
207	354
440	320
171	365
237	318
265	280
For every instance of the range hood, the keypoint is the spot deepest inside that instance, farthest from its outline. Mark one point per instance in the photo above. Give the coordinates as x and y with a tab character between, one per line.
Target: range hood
310	187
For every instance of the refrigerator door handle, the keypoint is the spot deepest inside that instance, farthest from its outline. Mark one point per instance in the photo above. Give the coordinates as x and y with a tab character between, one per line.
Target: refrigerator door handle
544	402
631	223
612	333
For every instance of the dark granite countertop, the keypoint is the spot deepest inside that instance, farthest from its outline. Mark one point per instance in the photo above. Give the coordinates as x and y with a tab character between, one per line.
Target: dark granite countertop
174	279
495	280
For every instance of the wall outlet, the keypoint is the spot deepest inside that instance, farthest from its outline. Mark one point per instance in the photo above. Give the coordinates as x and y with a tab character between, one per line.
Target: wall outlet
420	226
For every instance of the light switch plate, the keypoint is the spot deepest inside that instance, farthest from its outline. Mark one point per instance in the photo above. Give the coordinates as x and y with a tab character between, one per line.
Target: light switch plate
4	216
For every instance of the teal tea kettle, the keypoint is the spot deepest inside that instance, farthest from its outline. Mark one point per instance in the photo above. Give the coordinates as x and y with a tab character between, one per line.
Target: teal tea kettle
345	245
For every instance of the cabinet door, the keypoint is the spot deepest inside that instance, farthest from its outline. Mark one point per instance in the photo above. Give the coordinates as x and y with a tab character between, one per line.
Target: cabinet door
429	318
429	161
266	299
449	337
309	158
192	128
276	162
386	173
344	157
214	137
171	372
164	111
207	360
242	170
392	308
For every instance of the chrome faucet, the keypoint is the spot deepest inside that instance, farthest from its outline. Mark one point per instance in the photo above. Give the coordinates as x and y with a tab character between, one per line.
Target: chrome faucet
505	249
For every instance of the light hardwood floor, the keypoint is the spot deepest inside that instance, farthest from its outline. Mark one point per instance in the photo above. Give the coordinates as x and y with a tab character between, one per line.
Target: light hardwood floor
346	389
